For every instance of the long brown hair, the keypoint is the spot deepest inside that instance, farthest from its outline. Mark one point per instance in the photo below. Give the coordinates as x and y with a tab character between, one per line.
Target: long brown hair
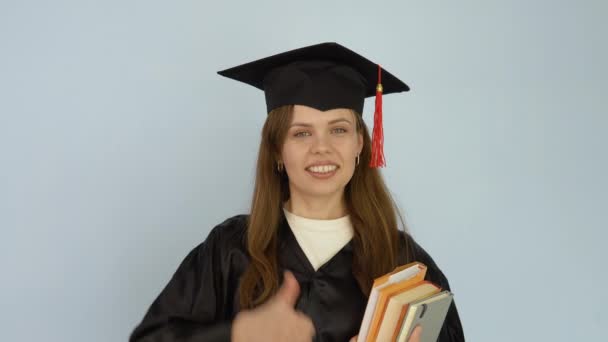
372	211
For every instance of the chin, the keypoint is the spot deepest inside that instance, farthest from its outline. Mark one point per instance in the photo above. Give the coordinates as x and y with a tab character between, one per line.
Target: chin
321	190
310	186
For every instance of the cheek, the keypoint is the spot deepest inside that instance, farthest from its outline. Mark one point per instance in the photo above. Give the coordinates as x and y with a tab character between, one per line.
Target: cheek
291	155
347	147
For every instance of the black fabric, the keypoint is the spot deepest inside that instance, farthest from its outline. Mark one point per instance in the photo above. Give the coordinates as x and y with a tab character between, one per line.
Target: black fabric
323	76
200	301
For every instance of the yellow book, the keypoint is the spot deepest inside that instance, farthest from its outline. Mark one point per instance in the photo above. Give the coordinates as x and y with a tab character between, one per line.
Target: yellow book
396	302
383	295
399	301
414	270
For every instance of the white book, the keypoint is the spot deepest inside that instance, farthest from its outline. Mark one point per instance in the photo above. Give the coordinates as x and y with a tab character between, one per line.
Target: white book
428	313
396	304
373	298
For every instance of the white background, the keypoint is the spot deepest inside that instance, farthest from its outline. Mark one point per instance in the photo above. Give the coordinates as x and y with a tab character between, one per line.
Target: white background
120	148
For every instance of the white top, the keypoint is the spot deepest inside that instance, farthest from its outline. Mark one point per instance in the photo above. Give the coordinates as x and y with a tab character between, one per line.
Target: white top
320	239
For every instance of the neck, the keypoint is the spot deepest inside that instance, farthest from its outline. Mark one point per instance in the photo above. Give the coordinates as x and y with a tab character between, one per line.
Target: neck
320	209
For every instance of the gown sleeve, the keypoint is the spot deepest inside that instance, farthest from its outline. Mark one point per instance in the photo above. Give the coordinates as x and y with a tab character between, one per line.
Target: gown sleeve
451	331
191	306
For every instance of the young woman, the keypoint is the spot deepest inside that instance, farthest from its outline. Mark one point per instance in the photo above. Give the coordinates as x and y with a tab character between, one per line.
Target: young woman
322	224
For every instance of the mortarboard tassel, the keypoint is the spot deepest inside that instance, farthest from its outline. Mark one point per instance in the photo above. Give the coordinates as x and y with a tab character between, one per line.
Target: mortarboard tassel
378	134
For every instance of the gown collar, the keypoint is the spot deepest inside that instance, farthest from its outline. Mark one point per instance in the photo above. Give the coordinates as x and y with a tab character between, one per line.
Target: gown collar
295	259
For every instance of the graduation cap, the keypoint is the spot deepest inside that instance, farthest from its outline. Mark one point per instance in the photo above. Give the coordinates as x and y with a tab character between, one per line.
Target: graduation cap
323	76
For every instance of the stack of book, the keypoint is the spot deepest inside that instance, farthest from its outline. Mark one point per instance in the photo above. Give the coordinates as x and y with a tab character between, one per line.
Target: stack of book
401	300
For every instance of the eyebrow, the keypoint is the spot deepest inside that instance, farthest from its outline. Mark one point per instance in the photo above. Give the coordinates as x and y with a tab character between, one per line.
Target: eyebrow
331	122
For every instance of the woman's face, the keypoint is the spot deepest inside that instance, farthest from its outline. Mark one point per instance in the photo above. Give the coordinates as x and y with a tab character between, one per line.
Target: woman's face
320	151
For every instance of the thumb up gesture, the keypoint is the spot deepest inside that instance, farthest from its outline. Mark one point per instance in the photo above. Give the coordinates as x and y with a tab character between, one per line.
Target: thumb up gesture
276	320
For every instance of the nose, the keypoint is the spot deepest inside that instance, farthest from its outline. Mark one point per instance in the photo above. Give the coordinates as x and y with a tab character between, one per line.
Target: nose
320	144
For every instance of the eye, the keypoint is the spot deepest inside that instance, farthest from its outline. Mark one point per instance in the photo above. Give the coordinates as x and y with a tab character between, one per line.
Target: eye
301	134
340	130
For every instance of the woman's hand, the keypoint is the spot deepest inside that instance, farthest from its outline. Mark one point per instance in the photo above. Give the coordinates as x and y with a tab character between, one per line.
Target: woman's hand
276	320
414	338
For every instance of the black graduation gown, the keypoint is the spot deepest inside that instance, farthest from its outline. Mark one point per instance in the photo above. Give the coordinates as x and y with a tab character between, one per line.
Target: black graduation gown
200	301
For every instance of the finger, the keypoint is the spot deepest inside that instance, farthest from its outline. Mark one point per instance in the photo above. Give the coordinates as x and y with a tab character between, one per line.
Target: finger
354	339
416	334
290	289
307	324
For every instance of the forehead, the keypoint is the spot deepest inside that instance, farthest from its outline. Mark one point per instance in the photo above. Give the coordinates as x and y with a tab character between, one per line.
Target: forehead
305	114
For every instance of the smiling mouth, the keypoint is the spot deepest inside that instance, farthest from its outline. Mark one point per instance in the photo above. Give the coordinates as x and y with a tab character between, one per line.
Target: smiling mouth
322	169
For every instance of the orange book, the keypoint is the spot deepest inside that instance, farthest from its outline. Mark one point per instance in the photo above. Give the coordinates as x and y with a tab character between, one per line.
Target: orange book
383	279
399	274
401	300
394	309
400	322
385	293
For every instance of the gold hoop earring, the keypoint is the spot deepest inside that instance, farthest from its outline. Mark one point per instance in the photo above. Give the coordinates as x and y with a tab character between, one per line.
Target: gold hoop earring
357	159
280	167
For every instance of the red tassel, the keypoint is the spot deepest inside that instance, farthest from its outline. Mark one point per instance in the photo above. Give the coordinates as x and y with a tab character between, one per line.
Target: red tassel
378	134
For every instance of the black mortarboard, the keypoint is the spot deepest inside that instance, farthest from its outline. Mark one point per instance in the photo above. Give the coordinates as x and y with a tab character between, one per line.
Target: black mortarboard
323	76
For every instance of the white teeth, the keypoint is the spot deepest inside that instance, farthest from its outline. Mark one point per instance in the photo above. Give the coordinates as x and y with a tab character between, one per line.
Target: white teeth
322	168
